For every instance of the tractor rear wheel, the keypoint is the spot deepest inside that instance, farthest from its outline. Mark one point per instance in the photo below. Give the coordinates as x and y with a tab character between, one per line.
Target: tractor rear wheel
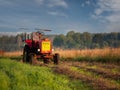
25	54
31	58
56	58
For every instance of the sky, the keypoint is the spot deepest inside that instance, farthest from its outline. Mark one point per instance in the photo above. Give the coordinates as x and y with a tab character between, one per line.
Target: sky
60	16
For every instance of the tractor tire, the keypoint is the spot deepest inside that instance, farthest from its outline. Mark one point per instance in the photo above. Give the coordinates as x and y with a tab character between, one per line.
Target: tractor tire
56	58
25	54
31	58
46	61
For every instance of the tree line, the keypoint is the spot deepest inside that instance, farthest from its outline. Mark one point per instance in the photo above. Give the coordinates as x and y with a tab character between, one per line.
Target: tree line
10	43
71	40
86	40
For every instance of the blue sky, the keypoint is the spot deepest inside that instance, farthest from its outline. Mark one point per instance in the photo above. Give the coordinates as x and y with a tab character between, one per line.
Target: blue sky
60	16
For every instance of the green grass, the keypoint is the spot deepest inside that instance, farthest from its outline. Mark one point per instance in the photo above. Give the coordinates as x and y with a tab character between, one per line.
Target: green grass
102	59
19	76
79	85
95	76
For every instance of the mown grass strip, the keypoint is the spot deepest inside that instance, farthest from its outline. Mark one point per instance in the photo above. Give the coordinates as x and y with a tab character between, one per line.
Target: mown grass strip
96	82
98	70
96	74
107	71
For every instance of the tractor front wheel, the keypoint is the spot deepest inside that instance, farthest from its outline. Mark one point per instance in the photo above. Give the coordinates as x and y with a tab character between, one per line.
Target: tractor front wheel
56	58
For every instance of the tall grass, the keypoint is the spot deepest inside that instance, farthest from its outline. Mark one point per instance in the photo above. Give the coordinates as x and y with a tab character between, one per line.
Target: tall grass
105	55
13	54
102	55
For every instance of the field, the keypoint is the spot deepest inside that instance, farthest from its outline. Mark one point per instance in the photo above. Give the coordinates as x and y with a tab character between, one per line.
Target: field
97	69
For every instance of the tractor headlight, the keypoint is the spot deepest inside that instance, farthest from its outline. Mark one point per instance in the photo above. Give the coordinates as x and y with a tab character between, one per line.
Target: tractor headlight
52	50
38	50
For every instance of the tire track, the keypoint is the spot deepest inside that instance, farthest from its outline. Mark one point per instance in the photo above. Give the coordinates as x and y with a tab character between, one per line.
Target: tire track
99	70
96	83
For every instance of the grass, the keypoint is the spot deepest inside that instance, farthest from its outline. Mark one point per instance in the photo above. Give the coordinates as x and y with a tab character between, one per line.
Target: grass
111	55
92	69
94	79
18	76
90	52
11	54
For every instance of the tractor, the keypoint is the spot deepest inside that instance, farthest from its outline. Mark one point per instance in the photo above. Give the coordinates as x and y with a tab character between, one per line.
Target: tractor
38	47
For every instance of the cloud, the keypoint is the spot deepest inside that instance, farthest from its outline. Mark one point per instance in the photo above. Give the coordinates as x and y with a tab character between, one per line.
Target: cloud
98	11
39	1
49	3
60	3
109	12
114	17
108	5
113	27
55	13
52	3
86	3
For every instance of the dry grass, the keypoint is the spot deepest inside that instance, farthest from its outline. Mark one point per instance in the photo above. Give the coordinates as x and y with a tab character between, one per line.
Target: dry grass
11	54
89	52
102	55
75	53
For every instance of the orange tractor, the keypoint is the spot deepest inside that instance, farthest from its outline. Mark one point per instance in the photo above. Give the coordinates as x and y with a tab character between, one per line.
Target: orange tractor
37	47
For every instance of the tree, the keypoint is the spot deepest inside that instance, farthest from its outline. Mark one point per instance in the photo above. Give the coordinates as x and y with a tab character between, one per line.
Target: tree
70	42
98	39
59	41
87	39
70	34
19	42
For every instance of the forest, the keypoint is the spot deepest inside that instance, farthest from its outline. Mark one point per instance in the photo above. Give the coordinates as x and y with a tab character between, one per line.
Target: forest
71	40
87	40
10	43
